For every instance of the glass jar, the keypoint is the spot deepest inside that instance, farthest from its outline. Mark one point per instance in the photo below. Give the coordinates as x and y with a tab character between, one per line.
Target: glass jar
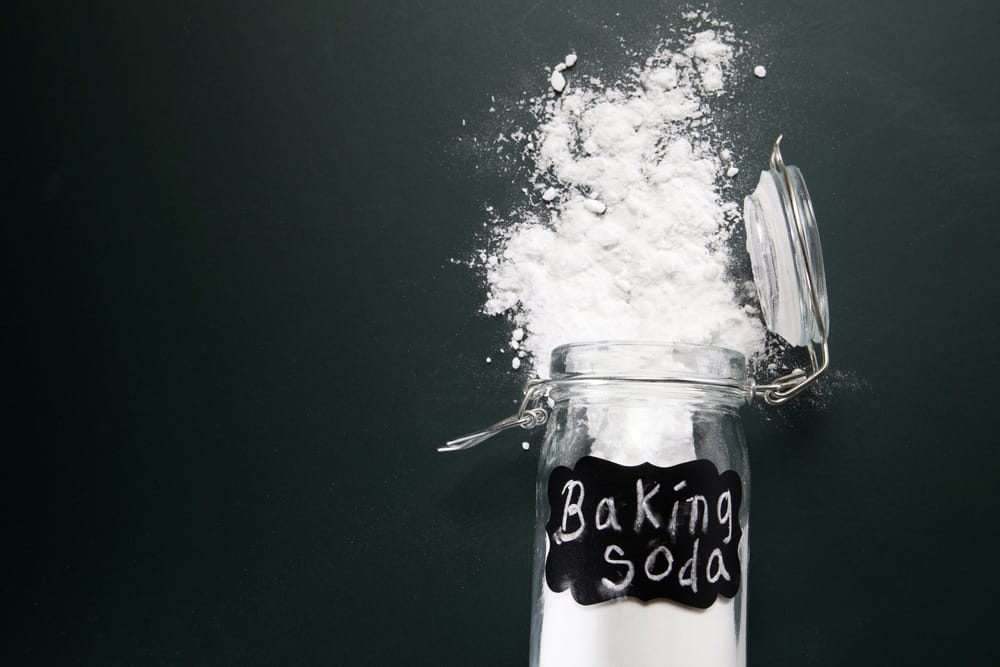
642	508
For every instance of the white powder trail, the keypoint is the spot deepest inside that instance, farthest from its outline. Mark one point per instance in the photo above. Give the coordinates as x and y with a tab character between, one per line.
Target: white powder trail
627	234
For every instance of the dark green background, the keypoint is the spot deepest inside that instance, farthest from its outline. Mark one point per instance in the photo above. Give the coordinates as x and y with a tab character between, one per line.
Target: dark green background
237	337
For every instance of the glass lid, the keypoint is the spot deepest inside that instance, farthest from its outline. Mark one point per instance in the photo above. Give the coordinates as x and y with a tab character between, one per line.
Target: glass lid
787	260
785	252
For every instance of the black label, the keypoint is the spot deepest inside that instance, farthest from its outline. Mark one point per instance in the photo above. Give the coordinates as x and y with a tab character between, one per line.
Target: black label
644	532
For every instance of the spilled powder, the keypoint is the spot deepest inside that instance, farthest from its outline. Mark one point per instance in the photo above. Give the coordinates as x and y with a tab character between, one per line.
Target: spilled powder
626	231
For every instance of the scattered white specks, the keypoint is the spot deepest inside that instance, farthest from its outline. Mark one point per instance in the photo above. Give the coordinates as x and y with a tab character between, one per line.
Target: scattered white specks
595	206
732	171
570	60
517	334
515	363
760	71
557	81
725	154
525	445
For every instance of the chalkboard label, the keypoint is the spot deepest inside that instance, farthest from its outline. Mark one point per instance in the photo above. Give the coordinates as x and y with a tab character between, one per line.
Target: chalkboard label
644	532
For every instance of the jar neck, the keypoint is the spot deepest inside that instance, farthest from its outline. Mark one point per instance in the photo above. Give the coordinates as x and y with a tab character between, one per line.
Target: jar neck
649	360
629	374
669	395
631	423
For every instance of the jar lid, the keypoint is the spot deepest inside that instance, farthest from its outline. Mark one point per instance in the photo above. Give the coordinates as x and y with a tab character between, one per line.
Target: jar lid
787	261
785	253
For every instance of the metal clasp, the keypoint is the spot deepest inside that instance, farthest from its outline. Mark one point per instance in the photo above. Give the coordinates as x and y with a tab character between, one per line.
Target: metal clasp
785	387
528	416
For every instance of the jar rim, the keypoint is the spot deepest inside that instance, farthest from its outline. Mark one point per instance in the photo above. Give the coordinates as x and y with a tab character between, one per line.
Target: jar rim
649	360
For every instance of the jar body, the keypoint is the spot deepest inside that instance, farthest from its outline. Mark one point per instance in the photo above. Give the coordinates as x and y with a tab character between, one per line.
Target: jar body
642	507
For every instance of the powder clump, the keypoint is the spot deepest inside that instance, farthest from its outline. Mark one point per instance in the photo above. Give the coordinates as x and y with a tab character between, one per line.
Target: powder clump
557	81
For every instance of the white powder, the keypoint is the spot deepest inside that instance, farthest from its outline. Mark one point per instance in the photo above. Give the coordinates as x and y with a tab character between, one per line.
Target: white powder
629	241
633	241
557	81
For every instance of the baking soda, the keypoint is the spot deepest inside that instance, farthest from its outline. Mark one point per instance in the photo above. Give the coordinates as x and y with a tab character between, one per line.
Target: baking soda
626	236
557	80
626	231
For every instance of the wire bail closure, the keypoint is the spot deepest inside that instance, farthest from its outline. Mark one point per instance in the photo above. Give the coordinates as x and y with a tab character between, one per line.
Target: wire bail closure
532	413
528	416
785	387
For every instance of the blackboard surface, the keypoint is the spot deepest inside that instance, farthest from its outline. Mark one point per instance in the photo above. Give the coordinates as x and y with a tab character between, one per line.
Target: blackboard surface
237	337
